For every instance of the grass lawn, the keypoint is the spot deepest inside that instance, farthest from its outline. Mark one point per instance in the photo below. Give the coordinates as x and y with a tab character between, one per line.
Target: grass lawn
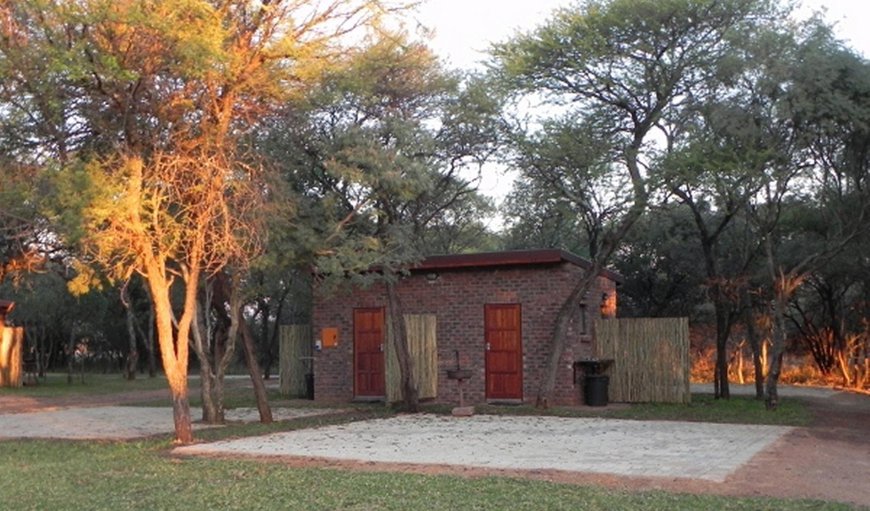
140	475
143	475
703	408
55	385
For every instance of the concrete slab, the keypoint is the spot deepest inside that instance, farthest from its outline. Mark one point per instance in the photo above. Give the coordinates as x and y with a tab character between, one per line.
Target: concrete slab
635	448
120	422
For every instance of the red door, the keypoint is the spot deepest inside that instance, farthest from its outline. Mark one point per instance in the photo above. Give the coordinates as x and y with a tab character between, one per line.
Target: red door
504	351
368	352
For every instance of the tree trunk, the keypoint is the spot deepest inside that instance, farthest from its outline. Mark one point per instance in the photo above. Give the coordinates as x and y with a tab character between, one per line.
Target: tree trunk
132	352
721	390
754	345
212	412
273	339
174	349
181	414
410	393
149	341
226	294
845	370
771	398
254	370
600	256
559	340
211	377
263	338
70	356
43	353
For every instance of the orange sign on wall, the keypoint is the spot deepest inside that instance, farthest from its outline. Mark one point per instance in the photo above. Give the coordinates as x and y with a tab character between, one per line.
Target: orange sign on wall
329	337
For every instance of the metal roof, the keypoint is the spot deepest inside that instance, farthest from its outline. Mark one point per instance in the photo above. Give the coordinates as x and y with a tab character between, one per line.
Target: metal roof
509	258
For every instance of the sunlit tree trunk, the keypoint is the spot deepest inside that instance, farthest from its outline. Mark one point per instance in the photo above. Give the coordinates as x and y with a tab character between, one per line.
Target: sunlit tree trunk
173	347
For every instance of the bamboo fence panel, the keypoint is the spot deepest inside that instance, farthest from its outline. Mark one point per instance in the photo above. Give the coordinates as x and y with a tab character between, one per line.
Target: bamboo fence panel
423	345
651	358
294	359
11	353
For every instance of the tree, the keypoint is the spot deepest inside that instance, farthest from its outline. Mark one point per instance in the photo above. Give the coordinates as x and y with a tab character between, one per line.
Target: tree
24	244
621	73
382	155
713	174
816	113
140	107
662	266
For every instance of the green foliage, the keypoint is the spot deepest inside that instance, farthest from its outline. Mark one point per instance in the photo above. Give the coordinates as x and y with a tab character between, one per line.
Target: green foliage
624	76
663	267
377	155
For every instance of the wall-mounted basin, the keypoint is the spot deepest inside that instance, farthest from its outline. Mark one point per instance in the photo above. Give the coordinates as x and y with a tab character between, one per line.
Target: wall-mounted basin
459	374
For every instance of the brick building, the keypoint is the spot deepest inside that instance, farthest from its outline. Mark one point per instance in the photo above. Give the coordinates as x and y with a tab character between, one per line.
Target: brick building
497	310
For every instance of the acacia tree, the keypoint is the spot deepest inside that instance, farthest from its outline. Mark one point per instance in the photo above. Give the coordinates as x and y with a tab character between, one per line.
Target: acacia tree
816	117
381	153
139	106
25	243
621	72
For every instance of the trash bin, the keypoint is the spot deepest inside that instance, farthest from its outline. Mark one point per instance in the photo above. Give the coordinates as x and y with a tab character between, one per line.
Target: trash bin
595	389
595	382
309	386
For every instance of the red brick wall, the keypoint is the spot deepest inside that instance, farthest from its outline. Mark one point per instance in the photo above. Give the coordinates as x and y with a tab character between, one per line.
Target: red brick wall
457	298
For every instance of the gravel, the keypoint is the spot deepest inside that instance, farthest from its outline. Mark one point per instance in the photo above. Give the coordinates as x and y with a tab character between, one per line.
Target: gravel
634	448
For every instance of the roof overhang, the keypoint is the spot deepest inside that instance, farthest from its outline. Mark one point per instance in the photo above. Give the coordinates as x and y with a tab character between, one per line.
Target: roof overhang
509	258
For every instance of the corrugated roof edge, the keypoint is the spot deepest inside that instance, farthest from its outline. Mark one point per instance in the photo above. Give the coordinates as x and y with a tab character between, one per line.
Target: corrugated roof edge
510	258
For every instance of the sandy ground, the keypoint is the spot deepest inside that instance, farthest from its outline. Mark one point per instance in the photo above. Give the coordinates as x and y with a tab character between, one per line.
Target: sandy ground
631	448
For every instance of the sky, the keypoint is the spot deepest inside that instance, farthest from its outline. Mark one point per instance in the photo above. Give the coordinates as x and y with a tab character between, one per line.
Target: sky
464	29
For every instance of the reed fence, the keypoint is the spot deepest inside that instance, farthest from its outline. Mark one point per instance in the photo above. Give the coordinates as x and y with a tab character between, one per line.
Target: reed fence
651	358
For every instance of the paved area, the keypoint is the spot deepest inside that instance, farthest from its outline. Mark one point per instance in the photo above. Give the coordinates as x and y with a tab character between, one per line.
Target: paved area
634	448
120	422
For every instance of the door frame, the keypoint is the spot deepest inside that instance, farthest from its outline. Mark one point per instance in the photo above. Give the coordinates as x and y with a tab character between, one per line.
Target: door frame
355	362
519	353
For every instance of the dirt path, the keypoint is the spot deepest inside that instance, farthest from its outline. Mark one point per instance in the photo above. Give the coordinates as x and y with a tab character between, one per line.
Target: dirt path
829	460
25	404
